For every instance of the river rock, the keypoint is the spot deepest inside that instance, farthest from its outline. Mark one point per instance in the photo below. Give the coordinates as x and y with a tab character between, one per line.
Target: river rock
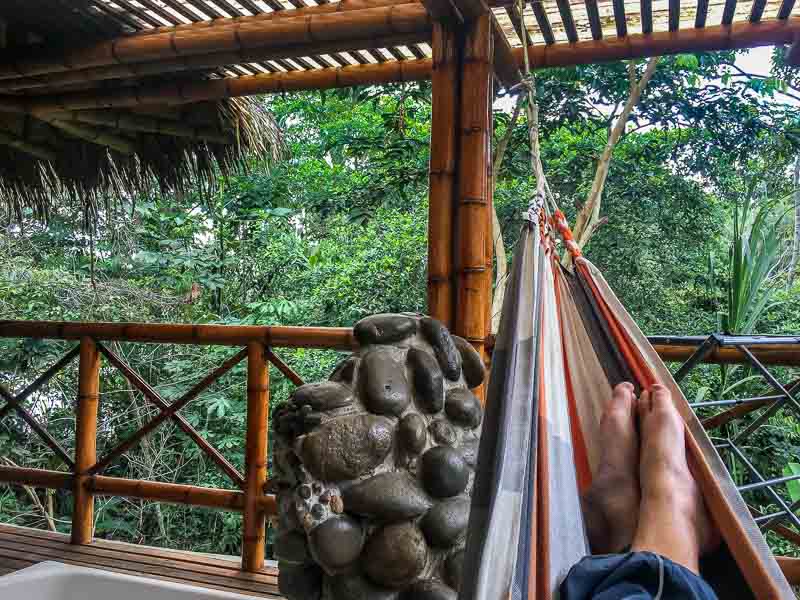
445	523
346	447
429	590
291	548
336	543
325	395
471	362
390	497
444	472
428	380
356	587
345	370
384	329
384	384
442	342
395	555
454	569
463	407
412	434
300	583
443	432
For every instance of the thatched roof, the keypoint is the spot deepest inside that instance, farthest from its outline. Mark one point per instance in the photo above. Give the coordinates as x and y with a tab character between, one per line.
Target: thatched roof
91	155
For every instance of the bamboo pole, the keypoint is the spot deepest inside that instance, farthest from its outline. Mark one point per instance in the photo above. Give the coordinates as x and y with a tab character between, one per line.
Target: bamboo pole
95	136
334	26
336	338
219	89
85	440
254	524
442	172
35	150
474	222
55	480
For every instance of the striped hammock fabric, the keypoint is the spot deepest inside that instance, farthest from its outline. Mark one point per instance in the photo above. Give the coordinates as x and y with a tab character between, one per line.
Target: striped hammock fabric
565	340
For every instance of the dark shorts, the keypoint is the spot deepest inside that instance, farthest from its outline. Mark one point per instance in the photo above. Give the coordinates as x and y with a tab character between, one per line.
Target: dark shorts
633	576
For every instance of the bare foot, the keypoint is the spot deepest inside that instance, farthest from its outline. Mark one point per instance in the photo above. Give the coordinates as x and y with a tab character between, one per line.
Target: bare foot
673	519
611	505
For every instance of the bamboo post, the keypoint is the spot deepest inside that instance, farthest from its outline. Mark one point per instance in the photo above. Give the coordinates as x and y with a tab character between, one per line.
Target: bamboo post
442	172
85	441
474	219
254	527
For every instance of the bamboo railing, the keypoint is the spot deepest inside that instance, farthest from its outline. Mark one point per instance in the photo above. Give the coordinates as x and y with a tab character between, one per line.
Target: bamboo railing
85	476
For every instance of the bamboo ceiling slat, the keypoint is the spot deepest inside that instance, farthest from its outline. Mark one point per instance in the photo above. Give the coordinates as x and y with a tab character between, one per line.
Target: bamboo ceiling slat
593	14
785	9
542	20
142	14
619	18
182	10
674	14
512	12
757	10
567	20
729	12
117	15
702	14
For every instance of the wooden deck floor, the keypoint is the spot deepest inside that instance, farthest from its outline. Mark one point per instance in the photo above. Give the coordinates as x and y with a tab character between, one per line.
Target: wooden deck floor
22	547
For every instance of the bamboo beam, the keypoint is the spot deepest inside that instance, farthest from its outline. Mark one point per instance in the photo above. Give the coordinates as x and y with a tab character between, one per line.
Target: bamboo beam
442	173
540	14
774	354
593	13
728	12
785	10
646	12
337	338
54	480
721	37
254	528
790	567
325	27
701	16
619	18
141	123
218	89
567	20
85	440
674	15
473	216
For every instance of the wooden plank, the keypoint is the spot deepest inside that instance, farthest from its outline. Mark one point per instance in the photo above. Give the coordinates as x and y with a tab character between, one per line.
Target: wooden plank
702	14
89	556
593	13
674	14
785	10
543	22
567	20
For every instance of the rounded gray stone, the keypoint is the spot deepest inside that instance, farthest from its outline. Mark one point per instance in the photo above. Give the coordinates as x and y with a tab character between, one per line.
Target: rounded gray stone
299	583
384	384
471	362
445	523
336	543
322	396
444	472
442	342
395	555
384	328
454	569
347	447
429	590
463	407
291	548
443	432
392	496
356	587
412	433
428	380
345	370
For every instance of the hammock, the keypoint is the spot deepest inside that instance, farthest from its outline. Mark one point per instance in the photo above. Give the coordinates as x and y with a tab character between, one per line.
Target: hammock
564	341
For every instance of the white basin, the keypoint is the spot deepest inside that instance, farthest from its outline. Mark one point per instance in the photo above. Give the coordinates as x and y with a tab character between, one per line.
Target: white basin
57	581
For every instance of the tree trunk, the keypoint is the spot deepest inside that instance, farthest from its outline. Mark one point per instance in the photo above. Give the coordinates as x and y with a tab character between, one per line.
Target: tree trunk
589	214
